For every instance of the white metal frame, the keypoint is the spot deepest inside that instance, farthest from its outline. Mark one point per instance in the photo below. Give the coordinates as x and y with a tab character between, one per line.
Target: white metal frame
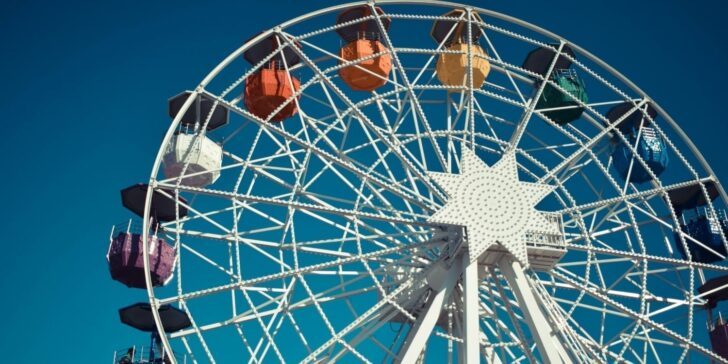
392	198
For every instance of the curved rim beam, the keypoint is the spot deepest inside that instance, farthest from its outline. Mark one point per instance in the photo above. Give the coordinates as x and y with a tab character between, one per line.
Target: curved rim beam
236	54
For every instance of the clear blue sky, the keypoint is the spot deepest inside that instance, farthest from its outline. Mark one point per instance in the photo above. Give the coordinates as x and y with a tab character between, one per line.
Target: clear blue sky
84	110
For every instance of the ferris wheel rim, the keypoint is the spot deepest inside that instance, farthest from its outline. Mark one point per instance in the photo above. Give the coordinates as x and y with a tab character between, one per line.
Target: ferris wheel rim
449	4
443	4
246	45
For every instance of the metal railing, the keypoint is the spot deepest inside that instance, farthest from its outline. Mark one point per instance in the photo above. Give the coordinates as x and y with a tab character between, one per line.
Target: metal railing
132	226
720	321
716	219
564	72
141	355
549	240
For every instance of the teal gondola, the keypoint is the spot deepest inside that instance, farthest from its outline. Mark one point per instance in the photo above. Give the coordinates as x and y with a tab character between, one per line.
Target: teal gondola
561	107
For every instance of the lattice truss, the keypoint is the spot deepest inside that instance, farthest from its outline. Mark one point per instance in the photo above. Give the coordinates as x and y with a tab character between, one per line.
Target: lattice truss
315	242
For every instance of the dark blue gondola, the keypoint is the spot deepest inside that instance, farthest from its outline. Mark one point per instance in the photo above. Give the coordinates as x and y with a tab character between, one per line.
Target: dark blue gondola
713	291
634	124
718	331
705	228
700	223
650	147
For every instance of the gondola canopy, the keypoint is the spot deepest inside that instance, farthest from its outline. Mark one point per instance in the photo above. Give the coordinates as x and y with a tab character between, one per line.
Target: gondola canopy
692	196
369	29
163	208
259	51
140	317
199	111
539	60
452	31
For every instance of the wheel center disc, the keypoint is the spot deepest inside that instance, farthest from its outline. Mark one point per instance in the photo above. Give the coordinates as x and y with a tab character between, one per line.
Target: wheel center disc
493	204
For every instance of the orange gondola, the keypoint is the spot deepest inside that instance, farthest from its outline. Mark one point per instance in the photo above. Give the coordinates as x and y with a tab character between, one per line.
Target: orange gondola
272	87
268	89
362	43
452	68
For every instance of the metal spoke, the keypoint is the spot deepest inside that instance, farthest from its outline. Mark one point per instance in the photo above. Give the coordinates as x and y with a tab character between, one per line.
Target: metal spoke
314	238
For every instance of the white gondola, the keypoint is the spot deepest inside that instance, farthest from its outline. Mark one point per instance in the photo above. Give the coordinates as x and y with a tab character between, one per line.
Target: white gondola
202	154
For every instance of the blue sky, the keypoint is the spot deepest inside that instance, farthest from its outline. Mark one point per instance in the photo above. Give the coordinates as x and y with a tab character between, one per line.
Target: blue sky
84	108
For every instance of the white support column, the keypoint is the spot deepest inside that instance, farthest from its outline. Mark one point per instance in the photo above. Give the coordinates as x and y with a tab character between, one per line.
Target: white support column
458	326
422	328
471	320
547	340
442	281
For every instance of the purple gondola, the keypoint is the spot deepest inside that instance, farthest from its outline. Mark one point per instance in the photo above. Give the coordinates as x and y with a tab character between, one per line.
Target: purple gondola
126	260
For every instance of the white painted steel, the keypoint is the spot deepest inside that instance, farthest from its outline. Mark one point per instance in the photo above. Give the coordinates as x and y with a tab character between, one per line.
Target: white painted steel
477	199
547	338
422	327
395	164
471	318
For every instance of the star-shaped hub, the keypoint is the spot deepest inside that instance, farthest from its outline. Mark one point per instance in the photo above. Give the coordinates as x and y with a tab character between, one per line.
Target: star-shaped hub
493	204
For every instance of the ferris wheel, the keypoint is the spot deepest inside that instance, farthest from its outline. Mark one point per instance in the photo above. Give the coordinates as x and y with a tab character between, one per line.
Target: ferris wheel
409	181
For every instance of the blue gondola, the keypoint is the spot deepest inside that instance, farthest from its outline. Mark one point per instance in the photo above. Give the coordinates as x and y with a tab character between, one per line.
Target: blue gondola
700	223
650	147
704	227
